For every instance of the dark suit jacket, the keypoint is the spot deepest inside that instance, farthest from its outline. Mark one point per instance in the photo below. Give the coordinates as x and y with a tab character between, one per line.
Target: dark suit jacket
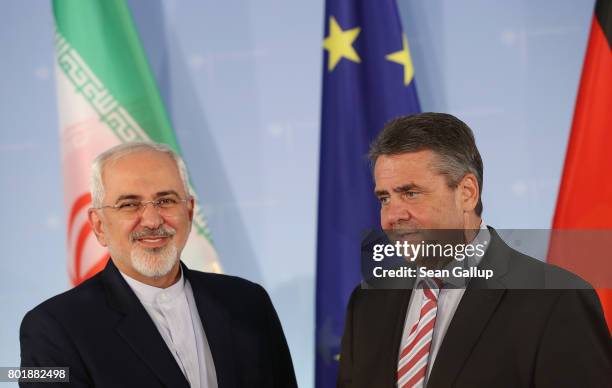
103	333
506	332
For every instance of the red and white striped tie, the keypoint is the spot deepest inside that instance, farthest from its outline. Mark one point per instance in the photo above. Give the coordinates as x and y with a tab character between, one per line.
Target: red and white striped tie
414	356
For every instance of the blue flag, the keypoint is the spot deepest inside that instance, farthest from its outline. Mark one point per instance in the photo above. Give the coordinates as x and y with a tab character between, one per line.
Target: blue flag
367	81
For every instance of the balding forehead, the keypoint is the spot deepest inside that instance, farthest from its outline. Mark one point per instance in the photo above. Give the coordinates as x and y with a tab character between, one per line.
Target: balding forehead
141	163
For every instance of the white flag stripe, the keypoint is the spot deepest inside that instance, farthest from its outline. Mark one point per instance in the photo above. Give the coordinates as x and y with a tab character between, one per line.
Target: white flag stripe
94	118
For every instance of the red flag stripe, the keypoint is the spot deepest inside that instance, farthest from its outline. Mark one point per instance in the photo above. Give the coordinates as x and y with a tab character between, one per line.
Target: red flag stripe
585	200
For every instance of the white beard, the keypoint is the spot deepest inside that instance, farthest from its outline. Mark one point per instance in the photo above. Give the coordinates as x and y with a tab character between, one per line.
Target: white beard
156	262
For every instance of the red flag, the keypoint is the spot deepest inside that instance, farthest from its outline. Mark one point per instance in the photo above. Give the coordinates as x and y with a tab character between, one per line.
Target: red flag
585	195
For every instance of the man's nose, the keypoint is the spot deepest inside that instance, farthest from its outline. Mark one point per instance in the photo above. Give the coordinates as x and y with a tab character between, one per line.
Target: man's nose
394	214
150	217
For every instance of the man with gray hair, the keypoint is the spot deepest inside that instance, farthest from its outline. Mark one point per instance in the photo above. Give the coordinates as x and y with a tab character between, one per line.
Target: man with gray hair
529	325
147	320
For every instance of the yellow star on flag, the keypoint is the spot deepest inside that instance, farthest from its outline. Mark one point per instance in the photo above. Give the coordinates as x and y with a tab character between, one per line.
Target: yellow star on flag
403	58
339	44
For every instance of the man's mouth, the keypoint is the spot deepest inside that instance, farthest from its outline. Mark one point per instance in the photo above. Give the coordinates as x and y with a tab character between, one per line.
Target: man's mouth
404	234
153	238
153	242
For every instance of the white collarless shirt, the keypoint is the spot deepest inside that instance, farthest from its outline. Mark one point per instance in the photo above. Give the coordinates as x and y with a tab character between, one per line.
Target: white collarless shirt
175	314
448	300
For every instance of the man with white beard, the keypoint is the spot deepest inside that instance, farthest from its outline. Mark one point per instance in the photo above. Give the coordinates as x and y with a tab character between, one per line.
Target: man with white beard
147	320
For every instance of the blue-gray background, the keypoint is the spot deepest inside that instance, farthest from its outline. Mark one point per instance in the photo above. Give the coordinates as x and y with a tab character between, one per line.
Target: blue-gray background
242	82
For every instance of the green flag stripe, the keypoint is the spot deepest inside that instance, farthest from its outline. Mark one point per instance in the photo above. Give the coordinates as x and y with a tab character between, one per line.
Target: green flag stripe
103	34
95	93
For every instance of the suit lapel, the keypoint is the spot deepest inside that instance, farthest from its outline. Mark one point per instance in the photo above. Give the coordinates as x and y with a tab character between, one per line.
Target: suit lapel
471	317
401	299
378	327
217	326
139	331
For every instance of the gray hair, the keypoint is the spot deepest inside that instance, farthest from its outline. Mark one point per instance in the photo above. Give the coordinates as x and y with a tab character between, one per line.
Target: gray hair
96	185
448	137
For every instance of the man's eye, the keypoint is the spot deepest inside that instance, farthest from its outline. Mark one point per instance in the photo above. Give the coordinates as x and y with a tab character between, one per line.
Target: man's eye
166	201
383	200
128	206
411	194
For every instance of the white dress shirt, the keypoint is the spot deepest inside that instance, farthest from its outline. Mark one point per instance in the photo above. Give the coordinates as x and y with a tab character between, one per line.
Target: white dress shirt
448	300
175	314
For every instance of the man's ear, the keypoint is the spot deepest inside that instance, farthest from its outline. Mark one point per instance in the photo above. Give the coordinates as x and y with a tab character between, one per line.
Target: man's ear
96	225
469	192
191	208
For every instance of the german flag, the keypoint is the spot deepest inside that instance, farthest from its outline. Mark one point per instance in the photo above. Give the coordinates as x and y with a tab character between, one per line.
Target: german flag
585	194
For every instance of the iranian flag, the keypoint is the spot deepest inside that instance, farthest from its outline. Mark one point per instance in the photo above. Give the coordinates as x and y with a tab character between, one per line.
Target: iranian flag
584	204
106	96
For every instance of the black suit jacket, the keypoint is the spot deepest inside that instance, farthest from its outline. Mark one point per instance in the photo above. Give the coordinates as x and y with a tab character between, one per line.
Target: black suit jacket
531	325
103	333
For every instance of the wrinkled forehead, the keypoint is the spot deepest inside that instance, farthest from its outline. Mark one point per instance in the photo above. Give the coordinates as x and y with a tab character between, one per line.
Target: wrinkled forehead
141	173
405	164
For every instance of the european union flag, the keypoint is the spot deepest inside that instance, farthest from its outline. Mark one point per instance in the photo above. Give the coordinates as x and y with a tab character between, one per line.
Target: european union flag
368	80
